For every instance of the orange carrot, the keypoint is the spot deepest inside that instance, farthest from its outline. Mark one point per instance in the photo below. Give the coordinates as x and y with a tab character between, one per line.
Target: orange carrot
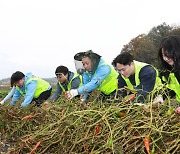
120	114
36	146
131	98
27	117
86	147
97	130
147	144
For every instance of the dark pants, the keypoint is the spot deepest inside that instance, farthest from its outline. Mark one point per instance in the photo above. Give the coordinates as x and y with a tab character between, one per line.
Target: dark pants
43	96
108	98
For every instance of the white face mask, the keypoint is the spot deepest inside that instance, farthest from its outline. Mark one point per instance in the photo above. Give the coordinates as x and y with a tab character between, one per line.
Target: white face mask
79	67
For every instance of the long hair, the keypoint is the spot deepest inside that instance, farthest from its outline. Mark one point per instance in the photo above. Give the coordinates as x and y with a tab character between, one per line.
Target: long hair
171	46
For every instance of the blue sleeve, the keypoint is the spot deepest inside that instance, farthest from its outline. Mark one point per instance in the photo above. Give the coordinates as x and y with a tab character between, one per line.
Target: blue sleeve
101	73
86	78
16	97
10	94
31	88
85	81
57	93
147	78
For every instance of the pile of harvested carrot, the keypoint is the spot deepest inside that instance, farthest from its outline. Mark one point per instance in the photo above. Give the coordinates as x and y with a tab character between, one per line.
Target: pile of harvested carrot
101	127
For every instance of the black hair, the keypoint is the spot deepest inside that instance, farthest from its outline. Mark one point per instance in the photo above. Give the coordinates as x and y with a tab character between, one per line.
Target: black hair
124	58
62	69
16	77
171	46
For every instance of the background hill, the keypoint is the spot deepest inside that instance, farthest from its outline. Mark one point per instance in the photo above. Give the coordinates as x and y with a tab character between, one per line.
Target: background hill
5	83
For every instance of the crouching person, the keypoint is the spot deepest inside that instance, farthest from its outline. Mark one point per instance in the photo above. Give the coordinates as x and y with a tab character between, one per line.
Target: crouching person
31	88
139	77
97	75
67	80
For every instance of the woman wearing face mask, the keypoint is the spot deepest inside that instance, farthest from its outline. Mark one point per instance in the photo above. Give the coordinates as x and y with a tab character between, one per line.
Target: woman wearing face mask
169	55
97	75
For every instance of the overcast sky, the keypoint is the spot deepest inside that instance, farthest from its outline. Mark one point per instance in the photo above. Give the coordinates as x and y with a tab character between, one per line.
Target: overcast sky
39	35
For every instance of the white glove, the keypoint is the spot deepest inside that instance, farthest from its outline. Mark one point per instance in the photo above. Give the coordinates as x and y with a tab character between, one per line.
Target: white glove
142	104
158	100
72	93
2	102
145	106
82	99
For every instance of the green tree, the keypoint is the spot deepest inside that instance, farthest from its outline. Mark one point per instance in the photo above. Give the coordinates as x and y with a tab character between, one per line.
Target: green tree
175	31
157	33
141	47
145	47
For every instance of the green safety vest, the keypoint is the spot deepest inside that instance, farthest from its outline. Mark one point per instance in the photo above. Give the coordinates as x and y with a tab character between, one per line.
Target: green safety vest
138	66
174	85
42	86
109	84
69	83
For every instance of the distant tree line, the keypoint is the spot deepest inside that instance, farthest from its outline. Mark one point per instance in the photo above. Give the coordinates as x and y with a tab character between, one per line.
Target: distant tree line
145	47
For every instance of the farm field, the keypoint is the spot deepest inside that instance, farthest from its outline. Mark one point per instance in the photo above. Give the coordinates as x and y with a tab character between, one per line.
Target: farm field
98	127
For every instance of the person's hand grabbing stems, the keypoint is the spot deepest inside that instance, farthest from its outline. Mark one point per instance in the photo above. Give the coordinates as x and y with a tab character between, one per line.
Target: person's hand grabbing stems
158	100
2	102
83	103
70	94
